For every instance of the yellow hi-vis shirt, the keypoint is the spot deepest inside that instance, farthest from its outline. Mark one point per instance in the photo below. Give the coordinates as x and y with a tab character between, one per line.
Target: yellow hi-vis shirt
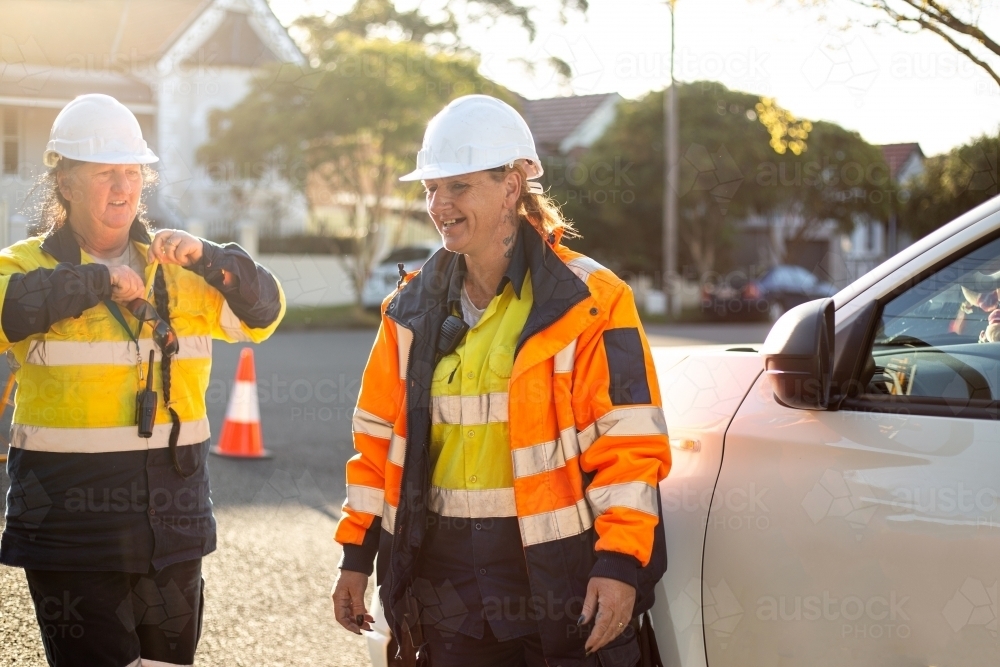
472	473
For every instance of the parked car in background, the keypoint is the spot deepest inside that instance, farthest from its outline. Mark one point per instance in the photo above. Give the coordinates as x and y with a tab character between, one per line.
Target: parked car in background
781	288
386	274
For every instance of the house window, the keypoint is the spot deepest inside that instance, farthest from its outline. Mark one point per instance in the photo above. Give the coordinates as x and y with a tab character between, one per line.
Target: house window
10	141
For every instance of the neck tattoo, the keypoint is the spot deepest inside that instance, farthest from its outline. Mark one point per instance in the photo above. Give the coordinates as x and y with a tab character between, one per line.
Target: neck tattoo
509	240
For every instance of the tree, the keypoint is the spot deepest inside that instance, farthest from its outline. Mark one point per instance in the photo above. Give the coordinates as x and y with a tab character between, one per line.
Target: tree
380	18
351	125
730	171
950	185
840	178
367	18
620	220
957	22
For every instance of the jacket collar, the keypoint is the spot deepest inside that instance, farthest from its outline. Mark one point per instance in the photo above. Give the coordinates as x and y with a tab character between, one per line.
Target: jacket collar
555	287
61	244
515	274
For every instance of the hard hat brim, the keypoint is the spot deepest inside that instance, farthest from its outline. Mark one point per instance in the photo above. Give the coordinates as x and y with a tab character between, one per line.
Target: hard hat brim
446	170
51	158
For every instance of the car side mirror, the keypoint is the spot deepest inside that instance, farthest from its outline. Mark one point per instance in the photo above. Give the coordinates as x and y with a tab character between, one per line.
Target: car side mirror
798	356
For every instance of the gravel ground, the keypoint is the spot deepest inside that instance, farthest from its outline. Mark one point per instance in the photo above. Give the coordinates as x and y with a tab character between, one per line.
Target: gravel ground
266	596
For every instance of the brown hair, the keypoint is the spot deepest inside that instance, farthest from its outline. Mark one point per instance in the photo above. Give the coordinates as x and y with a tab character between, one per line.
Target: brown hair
53	210
540	210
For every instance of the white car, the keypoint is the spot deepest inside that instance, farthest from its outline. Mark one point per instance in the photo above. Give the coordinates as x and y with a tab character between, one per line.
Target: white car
833	498
385	275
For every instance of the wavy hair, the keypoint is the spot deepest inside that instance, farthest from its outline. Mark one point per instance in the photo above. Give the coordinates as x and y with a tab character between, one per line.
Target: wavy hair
542	211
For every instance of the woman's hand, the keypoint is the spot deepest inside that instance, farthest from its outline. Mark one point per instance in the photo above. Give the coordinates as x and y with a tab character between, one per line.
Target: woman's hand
613	600
349	601
173	246
126	284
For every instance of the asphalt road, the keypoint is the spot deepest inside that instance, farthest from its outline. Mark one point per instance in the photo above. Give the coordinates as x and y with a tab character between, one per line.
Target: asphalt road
267	585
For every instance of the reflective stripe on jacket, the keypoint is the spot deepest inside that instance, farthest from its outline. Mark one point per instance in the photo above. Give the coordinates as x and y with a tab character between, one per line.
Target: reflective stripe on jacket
587	435
87	493
77	381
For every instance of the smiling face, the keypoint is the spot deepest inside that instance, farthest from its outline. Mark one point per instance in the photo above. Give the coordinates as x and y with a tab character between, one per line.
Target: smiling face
469	211
103	198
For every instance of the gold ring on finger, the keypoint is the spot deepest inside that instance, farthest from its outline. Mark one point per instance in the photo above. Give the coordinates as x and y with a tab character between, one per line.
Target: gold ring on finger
621	625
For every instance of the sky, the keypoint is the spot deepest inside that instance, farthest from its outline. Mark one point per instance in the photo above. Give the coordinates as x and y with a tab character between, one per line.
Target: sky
822	65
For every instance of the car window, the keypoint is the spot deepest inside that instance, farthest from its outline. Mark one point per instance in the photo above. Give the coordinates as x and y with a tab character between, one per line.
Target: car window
790	278
940	338
802	277
776	278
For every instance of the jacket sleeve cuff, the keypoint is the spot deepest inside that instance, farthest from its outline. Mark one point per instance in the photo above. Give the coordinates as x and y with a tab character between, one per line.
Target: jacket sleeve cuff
252	292
361	557
211	254
613	565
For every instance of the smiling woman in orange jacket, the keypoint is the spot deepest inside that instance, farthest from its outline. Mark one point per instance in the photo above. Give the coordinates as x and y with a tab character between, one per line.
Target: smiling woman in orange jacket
509	431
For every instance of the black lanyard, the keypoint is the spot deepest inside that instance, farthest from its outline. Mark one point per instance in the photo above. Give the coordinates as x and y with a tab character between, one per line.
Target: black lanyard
117	314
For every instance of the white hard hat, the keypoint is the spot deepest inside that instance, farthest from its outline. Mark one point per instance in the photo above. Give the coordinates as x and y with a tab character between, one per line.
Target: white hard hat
473	133
97	128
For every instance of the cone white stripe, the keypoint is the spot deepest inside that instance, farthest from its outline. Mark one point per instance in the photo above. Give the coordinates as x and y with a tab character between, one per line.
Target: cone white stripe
243	404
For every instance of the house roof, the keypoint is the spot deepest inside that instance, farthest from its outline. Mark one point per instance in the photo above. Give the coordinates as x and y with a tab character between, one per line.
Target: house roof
37	85
897	155
553	120
93	35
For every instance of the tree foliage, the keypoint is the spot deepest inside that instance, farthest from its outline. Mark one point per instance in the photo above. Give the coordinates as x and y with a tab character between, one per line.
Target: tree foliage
372	18
728	172
367	18
351	125
950	185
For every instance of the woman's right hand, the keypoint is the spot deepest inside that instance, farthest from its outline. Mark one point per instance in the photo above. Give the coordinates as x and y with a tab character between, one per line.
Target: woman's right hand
349	601
126	284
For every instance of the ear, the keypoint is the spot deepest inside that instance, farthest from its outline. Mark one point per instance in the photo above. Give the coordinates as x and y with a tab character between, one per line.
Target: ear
64	183
512	187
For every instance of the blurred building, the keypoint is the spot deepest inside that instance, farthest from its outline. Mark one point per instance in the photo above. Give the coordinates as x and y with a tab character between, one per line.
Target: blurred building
568	126
823	249
172	62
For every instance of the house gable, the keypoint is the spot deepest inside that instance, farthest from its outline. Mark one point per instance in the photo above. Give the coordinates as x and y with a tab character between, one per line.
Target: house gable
904	160
234	44
241	33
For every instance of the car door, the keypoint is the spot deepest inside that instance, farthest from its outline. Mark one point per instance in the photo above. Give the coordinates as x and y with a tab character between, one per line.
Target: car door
870	534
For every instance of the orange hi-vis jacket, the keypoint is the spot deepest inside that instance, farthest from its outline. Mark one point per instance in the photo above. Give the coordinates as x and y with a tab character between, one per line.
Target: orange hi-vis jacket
587	436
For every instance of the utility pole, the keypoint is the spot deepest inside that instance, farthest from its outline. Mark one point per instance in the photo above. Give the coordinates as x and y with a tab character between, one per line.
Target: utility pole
671	287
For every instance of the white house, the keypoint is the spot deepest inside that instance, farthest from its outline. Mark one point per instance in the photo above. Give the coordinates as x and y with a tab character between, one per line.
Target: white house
172	62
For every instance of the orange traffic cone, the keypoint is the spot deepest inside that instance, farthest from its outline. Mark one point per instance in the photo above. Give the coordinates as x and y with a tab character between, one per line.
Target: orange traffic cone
241	431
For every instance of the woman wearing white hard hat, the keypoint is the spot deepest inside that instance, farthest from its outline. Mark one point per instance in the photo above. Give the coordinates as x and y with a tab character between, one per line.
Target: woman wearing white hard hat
109	510
509	431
